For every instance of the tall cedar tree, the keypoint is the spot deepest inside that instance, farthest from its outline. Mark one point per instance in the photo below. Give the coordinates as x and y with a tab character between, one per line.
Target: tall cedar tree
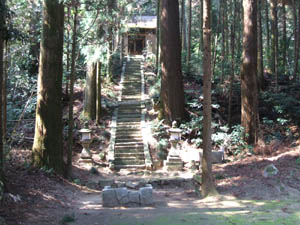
157	35
274	39
47	146
90	91
71	102
260	59
249	113
208	187
172	95
2	38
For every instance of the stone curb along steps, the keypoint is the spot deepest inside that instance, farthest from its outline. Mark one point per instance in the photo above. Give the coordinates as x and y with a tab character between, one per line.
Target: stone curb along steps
128	145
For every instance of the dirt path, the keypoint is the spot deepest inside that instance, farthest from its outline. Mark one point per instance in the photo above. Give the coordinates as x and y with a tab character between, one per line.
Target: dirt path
178	206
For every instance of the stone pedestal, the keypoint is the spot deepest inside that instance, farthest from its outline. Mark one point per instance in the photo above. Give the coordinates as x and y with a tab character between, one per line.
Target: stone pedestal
86	155
173	162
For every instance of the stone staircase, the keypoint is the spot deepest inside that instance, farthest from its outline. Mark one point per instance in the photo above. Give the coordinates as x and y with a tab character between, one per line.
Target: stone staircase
127	145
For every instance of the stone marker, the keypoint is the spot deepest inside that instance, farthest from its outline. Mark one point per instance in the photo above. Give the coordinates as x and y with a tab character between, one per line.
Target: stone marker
270	170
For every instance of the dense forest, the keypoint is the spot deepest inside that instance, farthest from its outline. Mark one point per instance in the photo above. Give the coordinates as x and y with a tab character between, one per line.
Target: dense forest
226	71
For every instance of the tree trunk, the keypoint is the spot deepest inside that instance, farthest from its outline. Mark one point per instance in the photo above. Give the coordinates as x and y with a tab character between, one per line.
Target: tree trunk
249	100
297	38
90	92
201	25
183	26
223	39
172	95
260	65
284	49
4	90
274	39
188	59
157	35
2	38
232	47
47	146
71	101
268	32
208	187
98	101
68	49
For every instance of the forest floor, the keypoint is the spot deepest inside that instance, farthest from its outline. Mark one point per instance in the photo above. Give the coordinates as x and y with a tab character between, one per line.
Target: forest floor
246	197
40	197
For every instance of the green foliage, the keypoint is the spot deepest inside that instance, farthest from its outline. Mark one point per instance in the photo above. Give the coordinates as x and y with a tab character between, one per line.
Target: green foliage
67	219
94	171
158	129
45	169
154	91
282	106
77	181
298	162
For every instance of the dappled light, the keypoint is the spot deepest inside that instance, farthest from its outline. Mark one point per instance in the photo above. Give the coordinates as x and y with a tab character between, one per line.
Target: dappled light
149	112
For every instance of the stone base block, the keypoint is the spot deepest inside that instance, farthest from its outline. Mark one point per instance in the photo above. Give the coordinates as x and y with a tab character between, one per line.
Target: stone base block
173	163
113	197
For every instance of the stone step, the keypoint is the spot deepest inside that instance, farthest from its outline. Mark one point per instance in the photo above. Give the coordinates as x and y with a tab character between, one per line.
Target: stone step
129	151
129	155
118	167
119	139
128	145
127	136
132	78
131	130
124	127
131	115
129	161
131	98
132	95
130	105
128	129
133	92
129	110
120	120
131	83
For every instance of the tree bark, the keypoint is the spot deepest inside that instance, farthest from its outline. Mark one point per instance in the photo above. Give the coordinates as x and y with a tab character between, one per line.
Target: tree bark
201	25
260	65
47	146
172	95
4	91
297	38
223	39
284	49
268	32
98	101
183	26
208	187
2	38
157	35
249	99
188	59
71	94
274	40
90	92
68	49
232	47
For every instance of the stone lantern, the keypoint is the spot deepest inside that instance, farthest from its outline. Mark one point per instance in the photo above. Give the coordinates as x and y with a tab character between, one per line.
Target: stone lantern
174	161
86	139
